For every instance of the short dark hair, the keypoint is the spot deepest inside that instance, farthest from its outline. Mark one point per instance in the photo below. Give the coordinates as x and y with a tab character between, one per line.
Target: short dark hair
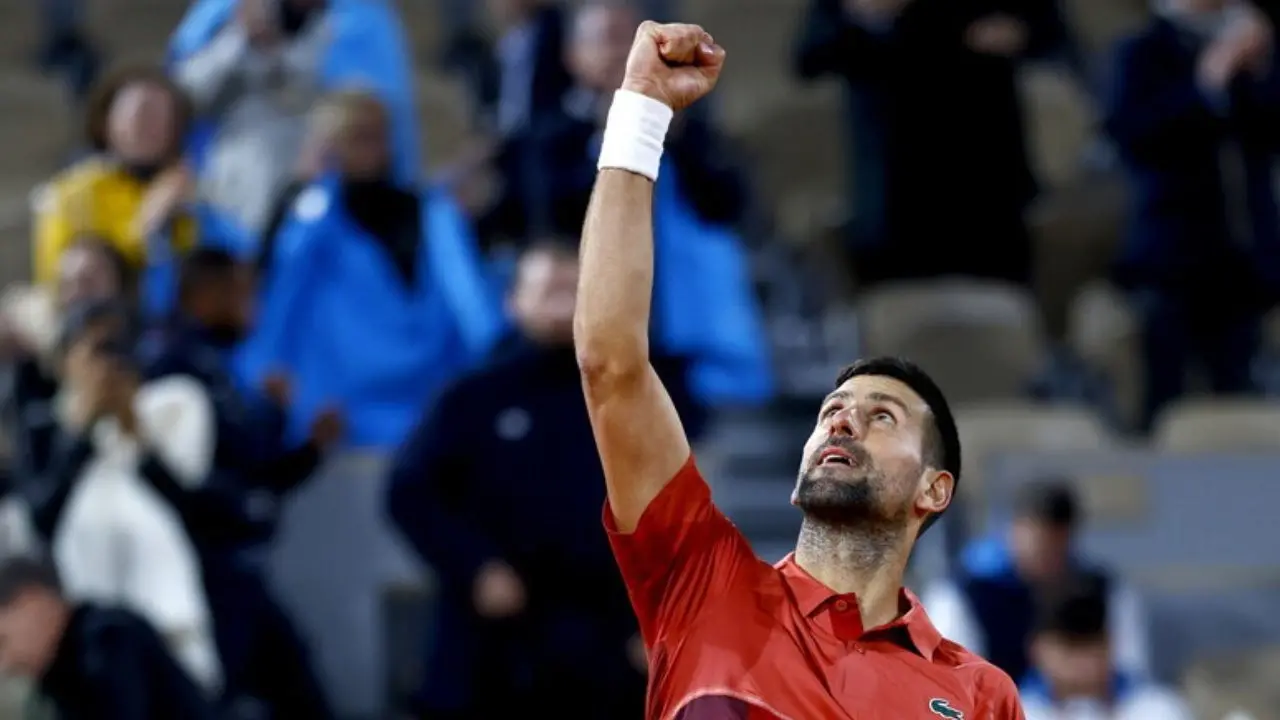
556	246
126	273
204	265
24	573
1050	501
104	94
1075	609
941	439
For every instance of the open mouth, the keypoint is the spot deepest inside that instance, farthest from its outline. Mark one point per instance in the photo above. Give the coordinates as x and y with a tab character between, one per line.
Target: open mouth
835	456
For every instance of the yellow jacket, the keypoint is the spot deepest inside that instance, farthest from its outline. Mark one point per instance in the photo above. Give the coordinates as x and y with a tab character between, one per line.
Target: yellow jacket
97	199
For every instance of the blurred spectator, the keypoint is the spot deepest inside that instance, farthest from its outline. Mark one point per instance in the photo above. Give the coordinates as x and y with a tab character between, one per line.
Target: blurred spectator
705	309
254	82
1194	109
90	661
1075	676
990	606
499	490
232	516
376	295
135	194
549	168
66	48
936	125
361	44
113	538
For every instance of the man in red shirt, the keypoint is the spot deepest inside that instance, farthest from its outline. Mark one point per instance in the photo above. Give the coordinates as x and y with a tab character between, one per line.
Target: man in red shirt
829	632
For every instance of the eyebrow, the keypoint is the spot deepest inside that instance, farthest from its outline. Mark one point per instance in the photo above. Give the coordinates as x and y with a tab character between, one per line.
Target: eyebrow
845	395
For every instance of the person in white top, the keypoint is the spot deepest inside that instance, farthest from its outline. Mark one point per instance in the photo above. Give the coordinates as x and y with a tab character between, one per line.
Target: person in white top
1074	676
117	542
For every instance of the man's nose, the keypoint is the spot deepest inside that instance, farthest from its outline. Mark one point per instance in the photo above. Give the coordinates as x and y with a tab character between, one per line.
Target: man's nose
845	424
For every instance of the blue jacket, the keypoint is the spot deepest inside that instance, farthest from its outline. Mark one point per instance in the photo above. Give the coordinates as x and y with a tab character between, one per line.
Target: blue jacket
368	49
337	316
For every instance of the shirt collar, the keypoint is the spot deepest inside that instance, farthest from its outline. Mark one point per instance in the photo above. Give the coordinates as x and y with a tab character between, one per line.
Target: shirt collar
812	596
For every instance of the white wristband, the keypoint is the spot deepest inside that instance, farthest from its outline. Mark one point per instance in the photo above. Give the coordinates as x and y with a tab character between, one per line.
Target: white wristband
634	134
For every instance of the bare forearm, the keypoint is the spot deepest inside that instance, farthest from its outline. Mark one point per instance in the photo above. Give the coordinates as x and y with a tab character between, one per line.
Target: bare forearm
611	326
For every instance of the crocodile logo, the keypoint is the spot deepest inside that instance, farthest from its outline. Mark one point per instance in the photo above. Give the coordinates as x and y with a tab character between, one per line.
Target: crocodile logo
942	708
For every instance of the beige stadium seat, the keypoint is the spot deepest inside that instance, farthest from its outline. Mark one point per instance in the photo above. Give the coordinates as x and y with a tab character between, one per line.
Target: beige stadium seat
1236	685
1218	425
987	429
1103	331
979	340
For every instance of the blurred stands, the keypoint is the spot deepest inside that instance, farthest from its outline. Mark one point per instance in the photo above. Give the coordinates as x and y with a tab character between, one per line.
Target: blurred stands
985	343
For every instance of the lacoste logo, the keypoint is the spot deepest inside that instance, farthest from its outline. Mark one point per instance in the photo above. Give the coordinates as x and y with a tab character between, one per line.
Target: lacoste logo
942	708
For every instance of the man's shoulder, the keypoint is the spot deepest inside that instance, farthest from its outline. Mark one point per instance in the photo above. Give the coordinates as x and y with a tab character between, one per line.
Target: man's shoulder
988	681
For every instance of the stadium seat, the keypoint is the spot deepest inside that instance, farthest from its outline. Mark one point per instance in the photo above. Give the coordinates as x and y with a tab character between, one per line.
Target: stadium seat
1218	425
990	428
1243	683
980	340
1102	331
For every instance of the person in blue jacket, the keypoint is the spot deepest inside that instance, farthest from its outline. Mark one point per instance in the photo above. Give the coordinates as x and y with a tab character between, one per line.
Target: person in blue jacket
376	295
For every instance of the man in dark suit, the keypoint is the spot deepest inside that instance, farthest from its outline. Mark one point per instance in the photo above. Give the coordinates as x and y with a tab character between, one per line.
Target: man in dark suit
500	489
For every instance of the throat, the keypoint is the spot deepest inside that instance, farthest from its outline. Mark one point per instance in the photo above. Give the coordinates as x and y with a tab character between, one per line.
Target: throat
868	561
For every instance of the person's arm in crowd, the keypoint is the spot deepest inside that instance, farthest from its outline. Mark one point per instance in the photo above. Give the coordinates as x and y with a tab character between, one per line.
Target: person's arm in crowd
46	493
1148	109
54	230
950	612
210	73
1130	645
428	494
833	44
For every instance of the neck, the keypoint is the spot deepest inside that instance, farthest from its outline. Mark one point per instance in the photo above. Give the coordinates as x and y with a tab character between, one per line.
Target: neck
869	563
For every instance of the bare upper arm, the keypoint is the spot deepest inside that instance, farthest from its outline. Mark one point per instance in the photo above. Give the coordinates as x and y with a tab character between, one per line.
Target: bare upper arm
639	435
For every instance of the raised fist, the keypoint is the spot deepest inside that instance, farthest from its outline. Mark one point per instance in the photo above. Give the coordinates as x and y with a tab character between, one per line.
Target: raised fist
675	64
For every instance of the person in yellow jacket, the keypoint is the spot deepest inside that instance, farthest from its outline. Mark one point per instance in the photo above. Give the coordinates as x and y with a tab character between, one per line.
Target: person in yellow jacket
135	189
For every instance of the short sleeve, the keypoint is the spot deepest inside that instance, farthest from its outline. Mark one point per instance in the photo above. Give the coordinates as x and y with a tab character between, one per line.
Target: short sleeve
683	555
998	696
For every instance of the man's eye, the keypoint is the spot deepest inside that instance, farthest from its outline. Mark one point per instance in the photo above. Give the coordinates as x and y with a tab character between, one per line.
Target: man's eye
829	411
884	416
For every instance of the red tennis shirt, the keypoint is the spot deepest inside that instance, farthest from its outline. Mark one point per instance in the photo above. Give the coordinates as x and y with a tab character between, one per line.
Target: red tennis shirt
731	637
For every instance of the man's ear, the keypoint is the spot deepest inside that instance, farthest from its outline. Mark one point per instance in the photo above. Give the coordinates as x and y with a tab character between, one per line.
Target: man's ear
936	495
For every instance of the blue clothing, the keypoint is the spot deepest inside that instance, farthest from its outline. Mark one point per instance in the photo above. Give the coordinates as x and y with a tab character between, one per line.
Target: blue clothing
1003	605
705	307
368	49
1034	686
340	318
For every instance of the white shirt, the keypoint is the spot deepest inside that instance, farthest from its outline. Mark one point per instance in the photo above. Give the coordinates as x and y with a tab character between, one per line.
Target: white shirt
949	610
120	543
1146	703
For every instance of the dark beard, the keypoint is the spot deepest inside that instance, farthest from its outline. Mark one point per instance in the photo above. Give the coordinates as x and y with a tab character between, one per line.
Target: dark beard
832	495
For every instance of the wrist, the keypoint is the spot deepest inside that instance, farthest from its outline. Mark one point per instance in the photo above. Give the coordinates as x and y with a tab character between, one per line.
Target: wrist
646	88
635	131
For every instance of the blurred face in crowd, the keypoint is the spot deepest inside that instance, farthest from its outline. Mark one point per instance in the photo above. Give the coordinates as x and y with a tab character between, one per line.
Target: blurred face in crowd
85	273
225	305
1074	667
30	628
360	144
1041	549
141	123
864	464
602	36
546	289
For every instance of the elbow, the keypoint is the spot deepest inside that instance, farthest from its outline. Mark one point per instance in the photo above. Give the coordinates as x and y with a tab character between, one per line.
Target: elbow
608	362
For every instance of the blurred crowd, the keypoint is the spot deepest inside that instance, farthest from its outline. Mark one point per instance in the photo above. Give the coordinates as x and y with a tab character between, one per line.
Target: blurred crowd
295	427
